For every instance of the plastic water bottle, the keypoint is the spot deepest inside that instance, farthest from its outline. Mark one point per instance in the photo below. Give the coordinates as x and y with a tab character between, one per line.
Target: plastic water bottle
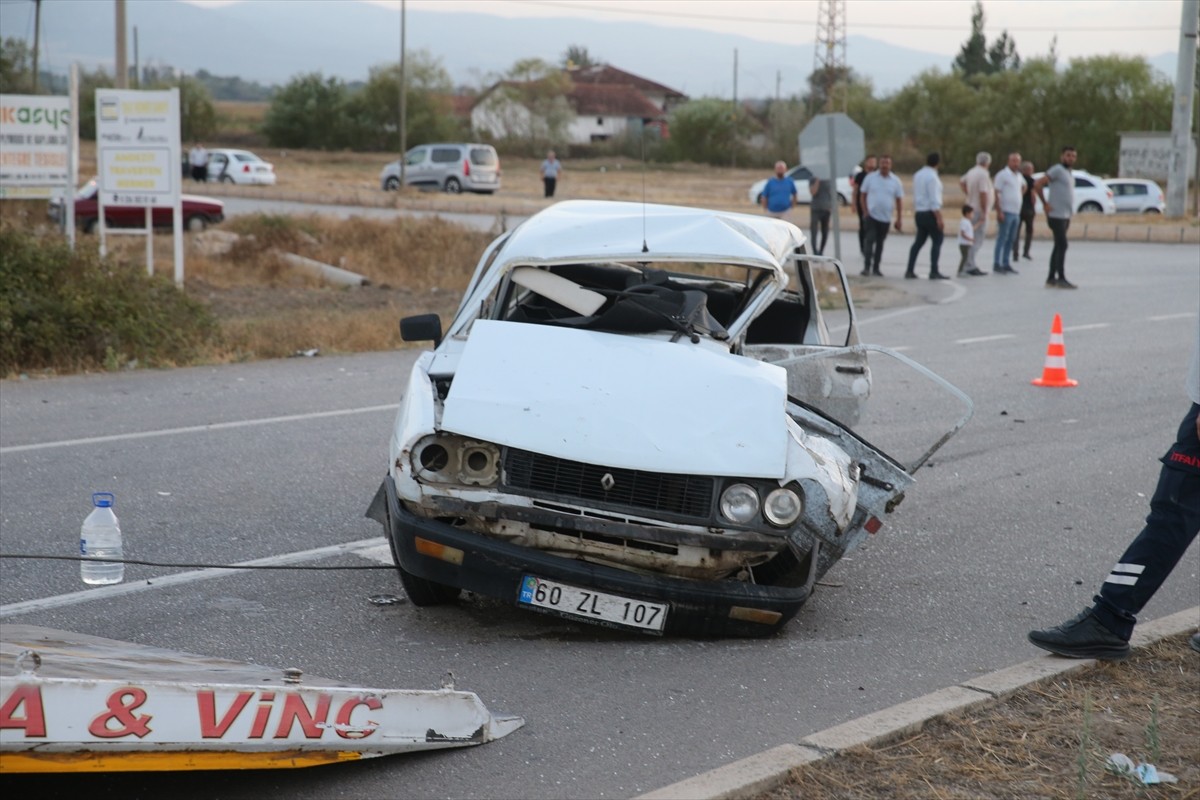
100	537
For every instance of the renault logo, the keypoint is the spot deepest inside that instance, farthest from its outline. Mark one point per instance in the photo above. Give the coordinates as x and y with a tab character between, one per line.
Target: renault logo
608	482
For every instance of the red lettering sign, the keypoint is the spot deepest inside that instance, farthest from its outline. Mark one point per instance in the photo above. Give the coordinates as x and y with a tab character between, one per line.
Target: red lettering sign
260	717
295	710
121	705
343	717
34	721
207	707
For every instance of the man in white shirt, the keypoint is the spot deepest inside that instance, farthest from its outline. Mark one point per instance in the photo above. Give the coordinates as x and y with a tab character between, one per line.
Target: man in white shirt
977	185
1010	186
881	191
927	205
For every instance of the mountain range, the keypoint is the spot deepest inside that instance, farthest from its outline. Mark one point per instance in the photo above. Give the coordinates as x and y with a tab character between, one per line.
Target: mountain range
271	41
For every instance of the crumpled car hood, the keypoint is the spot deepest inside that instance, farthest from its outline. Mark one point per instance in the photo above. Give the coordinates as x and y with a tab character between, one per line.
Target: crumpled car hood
620	401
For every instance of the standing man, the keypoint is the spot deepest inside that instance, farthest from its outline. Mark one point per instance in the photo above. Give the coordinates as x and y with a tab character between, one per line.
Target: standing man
1027	212
927	203
881	193
198	160
868	166
778	197
1104	630
550	170
977	185
819	212
1059	208
1010	187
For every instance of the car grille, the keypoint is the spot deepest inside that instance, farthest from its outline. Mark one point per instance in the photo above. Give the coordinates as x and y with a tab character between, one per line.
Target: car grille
684	495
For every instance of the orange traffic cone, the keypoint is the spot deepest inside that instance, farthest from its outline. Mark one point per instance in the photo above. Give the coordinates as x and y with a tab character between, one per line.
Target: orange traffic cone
1054	373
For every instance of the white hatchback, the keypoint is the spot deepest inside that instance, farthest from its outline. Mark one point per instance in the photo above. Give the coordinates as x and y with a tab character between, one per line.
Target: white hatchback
239	166
800	176
1137	195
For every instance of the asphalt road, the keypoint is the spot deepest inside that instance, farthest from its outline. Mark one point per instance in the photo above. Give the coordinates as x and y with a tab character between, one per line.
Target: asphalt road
1011	526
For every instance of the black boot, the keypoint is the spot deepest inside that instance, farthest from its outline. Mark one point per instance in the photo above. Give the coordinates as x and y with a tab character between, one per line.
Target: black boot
1082	636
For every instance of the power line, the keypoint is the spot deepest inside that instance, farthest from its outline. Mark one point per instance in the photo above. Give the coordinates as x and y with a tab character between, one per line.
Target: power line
812	23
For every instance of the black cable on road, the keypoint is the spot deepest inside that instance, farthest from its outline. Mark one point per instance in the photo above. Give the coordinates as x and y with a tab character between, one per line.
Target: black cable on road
186	566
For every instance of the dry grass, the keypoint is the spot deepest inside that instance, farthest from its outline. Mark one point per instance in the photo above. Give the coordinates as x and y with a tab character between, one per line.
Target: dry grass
1050	740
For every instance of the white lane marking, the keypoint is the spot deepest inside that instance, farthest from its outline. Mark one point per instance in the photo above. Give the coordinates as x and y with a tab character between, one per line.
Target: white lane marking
380	552
215	426
994	338
117	590
1165	317
1086	327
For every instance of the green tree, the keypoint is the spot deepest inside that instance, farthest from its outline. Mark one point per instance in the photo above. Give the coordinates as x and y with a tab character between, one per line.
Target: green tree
16	67
708	131
308	112
373	112
577	56
932	111
528	109
975	57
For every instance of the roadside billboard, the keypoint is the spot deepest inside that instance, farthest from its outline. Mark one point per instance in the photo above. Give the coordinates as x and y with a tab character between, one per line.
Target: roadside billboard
137	147
34	145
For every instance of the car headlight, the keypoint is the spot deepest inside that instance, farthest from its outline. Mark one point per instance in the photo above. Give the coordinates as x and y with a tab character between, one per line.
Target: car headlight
783	507
452	459
739	503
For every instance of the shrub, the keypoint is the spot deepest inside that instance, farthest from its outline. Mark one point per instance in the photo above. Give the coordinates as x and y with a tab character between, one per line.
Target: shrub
73	310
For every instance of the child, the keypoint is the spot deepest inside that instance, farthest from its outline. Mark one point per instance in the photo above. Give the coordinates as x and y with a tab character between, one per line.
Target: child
966	235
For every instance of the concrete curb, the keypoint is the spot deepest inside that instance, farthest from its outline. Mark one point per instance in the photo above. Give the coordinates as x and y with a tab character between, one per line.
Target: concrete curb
769	769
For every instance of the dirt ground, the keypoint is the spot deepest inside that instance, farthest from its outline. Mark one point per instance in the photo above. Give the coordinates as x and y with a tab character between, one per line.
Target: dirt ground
1049	740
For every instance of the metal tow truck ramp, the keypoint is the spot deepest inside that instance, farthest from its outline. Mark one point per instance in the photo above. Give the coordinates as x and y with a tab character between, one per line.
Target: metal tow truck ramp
76	703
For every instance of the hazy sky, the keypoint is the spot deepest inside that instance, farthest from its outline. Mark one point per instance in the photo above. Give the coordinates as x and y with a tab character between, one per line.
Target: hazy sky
1083	27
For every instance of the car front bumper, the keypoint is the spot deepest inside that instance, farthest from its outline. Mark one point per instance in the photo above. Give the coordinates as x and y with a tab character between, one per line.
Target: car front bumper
496	569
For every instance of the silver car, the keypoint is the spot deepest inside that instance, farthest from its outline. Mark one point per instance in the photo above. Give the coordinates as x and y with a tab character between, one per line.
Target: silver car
451	168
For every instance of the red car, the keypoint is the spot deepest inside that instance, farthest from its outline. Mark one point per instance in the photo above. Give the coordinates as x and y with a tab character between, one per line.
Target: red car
198	212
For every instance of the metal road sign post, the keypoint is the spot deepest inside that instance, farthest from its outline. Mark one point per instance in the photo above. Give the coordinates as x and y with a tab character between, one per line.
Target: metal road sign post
831	145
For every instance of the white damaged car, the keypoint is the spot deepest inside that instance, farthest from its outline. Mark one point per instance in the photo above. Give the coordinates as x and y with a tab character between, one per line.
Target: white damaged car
639	417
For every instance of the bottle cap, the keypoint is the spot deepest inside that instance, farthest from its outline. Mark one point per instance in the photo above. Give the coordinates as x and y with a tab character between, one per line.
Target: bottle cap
103	499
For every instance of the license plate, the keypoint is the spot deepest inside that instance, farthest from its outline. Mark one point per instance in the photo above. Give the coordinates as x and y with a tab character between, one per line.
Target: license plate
590	604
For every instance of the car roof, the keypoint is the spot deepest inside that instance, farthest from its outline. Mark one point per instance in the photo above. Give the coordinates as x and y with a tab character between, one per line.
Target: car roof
580	230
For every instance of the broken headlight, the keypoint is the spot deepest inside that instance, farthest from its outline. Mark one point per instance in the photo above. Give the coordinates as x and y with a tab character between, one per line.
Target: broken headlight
444	458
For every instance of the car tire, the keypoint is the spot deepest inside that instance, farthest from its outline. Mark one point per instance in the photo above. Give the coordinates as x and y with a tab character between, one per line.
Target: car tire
89	225
195	223
391	184
845	201
420	591
226	179
452	186
1090	207
1151	211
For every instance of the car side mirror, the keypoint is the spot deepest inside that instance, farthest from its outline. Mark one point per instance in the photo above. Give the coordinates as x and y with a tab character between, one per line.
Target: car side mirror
422	327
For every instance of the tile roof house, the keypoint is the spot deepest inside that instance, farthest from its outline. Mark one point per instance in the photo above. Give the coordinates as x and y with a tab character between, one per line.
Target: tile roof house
603	102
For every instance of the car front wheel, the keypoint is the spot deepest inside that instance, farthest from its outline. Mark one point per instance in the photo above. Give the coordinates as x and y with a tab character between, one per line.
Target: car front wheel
453	186
1090	208
195	224
226	179
391	184
420	591
1151	211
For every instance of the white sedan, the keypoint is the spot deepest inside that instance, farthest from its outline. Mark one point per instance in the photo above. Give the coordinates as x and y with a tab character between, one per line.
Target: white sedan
239	166
640	417
800	176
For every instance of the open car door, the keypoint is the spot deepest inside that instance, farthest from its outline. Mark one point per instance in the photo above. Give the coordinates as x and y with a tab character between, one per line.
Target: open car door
815	315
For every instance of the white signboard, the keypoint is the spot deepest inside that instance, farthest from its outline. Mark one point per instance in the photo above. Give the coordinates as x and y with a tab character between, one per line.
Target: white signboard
137	141
1148	154
34	141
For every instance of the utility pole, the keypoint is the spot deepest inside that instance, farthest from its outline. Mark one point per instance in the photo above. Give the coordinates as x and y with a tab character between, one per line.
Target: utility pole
829	55
122	75
137	70
733	120
778	78
1181	120
37	35
403	100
